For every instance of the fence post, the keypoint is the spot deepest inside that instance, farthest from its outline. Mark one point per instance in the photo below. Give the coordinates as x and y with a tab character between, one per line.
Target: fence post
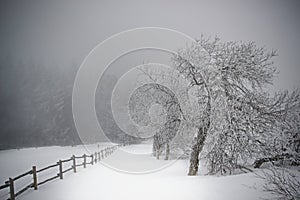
60	170
11	189
35	185
92	156
84	161
74	163
95	157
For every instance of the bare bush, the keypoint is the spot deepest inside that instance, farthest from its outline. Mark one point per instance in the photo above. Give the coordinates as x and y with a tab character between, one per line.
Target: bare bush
282	183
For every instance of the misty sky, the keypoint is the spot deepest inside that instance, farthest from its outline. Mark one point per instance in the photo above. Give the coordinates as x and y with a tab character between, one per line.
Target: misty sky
62	32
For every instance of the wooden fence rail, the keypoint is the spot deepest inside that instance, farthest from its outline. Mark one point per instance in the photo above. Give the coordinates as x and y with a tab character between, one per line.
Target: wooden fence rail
93	158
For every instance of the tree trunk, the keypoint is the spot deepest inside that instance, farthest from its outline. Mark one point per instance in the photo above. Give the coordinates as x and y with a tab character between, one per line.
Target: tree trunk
196	149
157	154
167	151
156	147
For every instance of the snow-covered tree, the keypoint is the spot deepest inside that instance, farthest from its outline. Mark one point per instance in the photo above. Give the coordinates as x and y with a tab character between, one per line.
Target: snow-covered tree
141	101
229	78
170	78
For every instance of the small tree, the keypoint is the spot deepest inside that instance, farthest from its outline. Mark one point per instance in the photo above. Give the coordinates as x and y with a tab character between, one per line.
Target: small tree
141	101
170	78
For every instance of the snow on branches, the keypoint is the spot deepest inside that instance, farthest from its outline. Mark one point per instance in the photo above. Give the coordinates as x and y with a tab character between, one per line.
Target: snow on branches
231	77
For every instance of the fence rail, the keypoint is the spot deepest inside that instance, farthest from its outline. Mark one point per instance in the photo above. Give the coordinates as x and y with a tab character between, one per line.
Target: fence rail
93	158
48	167
49	179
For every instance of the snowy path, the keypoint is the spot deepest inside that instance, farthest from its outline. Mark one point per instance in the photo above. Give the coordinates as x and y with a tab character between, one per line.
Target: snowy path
100	182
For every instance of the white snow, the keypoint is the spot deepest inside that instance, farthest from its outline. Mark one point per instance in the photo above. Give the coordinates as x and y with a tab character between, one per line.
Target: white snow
101	182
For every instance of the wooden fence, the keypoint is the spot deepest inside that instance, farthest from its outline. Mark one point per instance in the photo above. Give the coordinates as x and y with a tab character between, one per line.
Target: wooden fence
85	160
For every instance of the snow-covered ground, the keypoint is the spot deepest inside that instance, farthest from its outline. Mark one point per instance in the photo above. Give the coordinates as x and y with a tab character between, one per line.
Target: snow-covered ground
18	161
101	182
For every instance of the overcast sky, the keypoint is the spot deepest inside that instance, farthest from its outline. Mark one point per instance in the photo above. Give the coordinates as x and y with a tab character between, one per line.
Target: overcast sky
63	32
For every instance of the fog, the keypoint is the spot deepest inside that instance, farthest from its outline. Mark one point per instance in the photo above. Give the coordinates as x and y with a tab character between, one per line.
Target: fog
43	44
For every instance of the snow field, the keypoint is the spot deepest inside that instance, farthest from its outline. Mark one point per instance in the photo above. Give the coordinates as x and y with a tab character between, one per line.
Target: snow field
101	182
